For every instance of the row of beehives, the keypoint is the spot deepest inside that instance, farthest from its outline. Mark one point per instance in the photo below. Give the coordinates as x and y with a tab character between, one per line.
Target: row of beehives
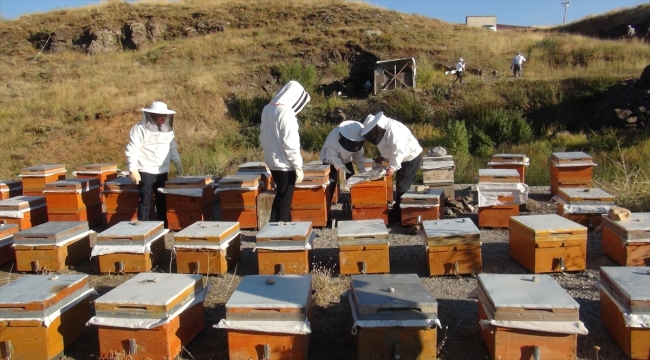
155	315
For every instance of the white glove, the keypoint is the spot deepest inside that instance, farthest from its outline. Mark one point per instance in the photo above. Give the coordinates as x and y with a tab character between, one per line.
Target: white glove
135	176
345	170
299	176
179	167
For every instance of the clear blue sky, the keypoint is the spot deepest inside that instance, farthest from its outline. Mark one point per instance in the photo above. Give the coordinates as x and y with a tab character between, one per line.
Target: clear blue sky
511	12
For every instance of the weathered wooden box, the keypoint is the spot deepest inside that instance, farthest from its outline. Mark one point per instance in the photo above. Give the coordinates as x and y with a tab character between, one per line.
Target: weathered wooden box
584	205
625	307
150	316
627	242
264	206
42	315
498	216
74	200
429	206
10	188
369	200
189	199
130	247
395	317
501	176
523	315
311	198
505	190
103	172
121	199
6	242
284	248
548	243
238	196
571	169
268	316
52	246
24	211
255	167
34	178
453	246
363	247
207	247
517	162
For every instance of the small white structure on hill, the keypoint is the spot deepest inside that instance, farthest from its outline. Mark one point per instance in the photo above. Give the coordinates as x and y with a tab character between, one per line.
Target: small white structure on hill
481	21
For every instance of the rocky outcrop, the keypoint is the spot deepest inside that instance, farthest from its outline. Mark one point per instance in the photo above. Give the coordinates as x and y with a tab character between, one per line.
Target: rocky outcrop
97	40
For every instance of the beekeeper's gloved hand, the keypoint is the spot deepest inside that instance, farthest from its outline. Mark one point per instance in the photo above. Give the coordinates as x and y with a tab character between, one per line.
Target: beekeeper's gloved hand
179	167
135	176
299	176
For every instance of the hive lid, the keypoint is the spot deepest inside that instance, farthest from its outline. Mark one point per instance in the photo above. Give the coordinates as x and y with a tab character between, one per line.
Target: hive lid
108	167
240	180
149	295
72	185
316	174
6	185
450	232
498	176
549	224
392	297
51	232
438	158
434	165
253	166
585	196
413	197
296	231
7	230
128	233
571	156
636	228
36	296
43	169
280	292
508	157
354	229
630	285
22	203
506	291
120	184
200	232
188	182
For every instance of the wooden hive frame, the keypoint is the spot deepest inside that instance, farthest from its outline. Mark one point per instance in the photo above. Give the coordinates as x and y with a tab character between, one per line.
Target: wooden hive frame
369	257
207	261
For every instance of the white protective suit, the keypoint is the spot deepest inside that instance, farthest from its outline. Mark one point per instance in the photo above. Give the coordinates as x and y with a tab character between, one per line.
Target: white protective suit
398	144
333	153
279	129
151	151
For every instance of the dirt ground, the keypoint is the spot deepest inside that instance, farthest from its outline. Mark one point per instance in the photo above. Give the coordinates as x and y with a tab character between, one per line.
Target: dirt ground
331	337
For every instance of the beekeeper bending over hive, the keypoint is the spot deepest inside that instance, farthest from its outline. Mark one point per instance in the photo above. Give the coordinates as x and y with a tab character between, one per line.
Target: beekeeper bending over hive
343	146
150	149
281	145
402	150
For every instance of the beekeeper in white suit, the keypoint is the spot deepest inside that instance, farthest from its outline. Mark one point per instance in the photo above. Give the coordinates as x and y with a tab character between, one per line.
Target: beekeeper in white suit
343	146
396	144
281	145
150	149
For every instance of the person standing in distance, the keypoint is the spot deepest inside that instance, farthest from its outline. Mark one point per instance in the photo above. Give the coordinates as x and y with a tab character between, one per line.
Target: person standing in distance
517	65
342	146
460	68
150	149
281	145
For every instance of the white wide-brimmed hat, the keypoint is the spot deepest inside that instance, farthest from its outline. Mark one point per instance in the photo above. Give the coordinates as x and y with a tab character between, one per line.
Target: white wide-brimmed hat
351	130
372	121
158	107
461	59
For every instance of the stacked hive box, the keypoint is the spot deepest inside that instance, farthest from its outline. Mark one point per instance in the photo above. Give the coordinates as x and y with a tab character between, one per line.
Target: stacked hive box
10	188
418	207
284	248
268	317
121	199
150	316
130	247
24	211
395	317
260	168
527	317
627	242
624	307
238	196
335	192
189	199
52	246
584	206
34	178
370	164
74	200
363	247
548	243
207	247
6	242
571	169
42	315
517	162
311	198
264	205
453	246
495	208
369	200
103	172
438	173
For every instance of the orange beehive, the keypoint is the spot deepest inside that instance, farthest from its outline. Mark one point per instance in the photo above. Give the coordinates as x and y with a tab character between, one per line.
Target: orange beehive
627	242
6	242
499	196
453	246
189	199
284	248
584	205
207	247
238	197
571	169
370	165
24	211
35	178
420	207
517	162
369	200
260	168
363	247
74	200
311	198
103	172
438	173
10	188
130	247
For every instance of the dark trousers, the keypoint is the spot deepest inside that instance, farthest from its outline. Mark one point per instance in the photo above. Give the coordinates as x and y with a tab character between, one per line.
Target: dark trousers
334	176
404	178
285	183
148	186
516	70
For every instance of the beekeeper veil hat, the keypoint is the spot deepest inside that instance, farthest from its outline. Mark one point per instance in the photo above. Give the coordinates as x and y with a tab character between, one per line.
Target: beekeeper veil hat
152	117
350	135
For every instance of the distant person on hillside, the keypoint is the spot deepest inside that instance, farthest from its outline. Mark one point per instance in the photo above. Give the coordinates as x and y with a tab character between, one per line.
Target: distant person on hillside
460	69
281	145
150	149
517	65
396	144
343	146
630	31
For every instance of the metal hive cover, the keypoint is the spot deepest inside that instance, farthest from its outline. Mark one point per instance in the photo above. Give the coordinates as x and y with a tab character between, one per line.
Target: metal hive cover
43	169
189	181
638	222
520	291
372	294
433	194
571	155
96	167
212	231
362	228
51	232
22	202
593	193
7	230
127	232
121	183
237	178
514	156
498	172
83	184
287	291
547	222
253	165
630	280
449	228
279	230
11	184
159	289
39	295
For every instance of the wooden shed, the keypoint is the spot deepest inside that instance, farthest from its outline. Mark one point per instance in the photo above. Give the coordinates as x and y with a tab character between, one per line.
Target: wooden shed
394	74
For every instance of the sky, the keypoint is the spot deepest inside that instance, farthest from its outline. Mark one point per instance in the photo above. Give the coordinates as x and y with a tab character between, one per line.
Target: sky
510	12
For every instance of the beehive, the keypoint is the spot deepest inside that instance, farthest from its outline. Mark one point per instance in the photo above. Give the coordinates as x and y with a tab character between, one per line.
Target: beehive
370	164
584	205
42	315
150	316
311	198
255	167
363	247
548	243
284	248
6	242
627	242
504	188
369	200
523	315
189	199
517	162
52	246
571	169
207	247
130	247
74	200
35	178
264	207
438	173
395	317
453	246
428	206
238	196
10	188
103	172
24	211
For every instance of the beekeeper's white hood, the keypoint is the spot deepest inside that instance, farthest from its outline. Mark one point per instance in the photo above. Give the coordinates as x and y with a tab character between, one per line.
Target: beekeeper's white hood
292	95
158	107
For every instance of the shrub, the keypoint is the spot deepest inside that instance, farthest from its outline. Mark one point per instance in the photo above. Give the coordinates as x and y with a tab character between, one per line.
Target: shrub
312	136
481	144
340	71
500	126
404	106
455	138
248	112
305	75
607	140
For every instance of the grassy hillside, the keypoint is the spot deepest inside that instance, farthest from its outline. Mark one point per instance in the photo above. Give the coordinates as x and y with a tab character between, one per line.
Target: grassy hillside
218	62
612	25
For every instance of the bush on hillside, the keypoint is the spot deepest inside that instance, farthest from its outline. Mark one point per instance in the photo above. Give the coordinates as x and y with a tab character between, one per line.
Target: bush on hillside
406	107
312	136
455	138
305	75
480	143
248	112
607	140
503	126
